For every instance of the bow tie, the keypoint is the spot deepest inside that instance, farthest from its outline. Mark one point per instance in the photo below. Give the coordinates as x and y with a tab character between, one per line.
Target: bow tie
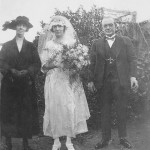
112	38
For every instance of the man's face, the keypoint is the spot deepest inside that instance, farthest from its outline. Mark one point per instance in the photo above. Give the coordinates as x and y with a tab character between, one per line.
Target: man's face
108	26
21	29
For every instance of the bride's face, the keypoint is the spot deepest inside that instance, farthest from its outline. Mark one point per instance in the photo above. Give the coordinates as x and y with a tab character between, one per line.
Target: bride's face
58	30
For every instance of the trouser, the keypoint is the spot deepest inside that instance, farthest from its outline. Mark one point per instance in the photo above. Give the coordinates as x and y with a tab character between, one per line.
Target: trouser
113	92
9	142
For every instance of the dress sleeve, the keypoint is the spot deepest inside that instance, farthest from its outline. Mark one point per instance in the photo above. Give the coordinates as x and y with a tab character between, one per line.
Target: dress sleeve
4	66
44	57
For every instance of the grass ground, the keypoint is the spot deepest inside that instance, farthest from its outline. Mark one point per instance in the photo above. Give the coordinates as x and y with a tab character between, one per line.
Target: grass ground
138	135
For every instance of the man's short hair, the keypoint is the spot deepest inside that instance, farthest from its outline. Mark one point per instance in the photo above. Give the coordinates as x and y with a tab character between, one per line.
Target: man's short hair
108	18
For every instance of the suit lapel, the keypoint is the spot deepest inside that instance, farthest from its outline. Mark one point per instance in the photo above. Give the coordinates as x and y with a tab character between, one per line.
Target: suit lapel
23	49
15	47
14	51
117	45
101	47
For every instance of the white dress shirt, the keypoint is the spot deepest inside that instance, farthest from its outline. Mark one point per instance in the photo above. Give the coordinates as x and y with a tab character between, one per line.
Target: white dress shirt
110	40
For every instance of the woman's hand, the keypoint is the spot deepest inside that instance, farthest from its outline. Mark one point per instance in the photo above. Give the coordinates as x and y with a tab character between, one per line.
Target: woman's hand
67	65
91	87
15	72
60	65
48	66
23	73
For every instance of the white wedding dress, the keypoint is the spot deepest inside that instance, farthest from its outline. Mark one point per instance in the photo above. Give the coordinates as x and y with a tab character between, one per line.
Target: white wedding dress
66	108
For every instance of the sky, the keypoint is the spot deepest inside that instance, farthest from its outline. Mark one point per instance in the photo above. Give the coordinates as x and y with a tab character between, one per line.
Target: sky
37	10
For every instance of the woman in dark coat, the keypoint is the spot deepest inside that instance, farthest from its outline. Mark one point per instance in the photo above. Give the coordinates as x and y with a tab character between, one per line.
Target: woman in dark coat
19	63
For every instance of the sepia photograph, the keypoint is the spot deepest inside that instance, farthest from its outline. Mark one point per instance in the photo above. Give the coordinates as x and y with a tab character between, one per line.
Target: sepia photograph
74	75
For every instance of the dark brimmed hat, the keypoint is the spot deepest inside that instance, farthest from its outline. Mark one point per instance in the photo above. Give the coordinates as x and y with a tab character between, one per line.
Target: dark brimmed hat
20	19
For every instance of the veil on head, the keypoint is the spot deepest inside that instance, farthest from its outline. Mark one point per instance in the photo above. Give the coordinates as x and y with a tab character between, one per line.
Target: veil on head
69	37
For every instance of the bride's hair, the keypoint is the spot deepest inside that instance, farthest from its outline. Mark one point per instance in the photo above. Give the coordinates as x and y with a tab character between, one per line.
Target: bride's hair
57	21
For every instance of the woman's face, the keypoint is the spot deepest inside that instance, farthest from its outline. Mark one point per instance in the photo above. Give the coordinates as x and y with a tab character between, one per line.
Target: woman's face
21	29
58	30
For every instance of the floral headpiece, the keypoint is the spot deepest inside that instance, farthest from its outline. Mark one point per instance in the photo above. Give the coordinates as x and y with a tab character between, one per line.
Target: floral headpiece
57	22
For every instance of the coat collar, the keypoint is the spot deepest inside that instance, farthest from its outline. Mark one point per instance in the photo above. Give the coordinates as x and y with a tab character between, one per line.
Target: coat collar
116	43
16	47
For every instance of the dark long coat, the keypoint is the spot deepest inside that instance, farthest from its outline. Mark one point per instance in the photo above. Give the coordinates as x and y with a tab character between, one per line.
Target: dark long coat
125	61
18	94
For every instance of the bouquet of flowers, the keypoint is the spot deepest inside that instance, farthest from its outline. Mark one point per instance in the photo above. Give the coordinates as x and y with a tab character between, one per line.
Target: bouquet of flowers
75	59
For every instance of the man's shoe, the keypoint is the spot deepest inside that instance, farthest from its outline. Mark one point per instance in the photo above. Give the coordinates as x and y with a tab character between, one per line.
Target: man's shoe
25	145
8	143
8	147
125	143
27	148
101	144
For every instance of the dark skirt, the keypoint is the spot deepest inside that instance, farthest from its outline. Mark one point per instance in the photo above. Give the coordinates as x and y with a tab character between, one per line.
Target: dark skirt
19	109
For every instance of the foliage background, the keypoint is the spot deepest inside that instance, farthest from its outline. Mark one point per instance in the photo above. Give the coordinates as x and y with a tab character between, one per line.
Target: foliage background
88	27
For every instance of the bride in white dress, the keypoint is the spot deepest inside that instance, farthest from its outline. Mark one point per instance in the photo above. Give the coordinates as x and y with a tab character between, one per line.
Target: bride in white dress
66	108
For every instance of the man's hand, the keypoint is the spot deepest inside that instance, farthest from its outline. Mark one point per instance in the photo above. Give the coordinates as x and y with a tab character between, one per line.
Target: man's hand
134	84
91	87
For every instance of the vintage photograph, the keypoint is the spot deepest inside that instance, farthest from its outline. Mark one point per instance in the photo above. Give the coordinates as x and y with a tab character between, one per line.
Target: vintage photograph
74	75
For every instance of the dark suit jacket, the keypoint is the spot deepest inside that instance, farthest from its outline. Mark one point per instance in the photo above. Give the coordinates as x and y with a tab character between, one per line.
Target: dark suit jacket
125	61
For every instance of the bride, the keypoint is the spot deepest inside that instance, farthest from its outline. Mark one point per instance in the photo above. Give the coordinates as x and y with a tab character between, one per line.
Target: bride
66	109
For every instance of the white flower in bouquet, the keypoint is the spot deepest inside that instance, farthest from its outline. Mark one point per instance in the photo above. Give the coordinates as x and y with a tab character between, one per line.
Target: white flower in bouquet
81	58
77	57
79	65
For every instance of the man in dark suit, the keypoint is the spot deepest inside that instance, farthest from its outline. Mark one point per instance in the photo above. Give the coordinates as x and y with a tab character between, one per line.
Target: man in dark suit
113	64
19	63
